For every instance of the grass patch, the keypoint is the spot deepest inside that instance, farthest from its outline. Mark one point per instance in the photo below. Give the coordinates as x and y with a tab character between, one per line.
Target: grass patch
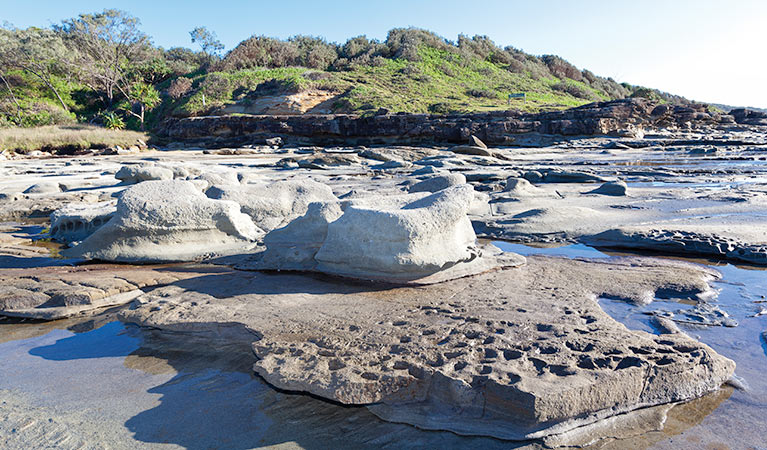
66	138
440	82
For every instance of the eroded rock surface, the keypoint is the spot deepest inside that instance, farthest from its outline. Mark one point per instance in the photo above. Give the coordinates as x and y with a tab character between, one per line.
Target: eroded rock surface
56	292
275	204
496	354
77	221
161	221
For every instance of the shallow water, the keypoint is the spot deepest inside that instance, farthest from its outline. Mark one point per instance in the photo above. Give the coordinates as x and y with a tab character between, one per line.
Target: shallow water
131	387
118	385
739	421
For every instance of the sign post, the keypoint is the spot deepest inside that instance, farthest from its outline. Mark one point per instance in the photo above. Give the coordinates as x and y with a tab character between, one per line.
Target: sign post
521	95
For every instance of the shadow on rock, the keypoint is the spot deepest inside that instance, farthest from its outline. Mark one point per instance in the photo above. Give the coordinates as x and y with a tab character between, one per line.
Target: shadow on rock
216	401
223	283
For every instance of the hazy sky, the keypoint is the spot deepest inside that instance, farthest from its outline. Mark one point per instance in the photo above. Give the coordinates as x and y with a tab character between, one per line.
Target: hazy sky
706	50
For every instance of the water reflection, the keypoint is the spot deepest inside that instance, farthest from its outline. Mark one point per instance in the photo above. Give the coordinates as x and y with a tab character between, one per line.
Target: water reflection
144	387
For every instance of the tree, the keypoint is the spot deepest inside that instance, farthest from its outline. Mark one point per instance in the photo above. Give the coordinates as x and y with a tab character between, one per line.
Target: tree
208	41
107	48
34	50
142	97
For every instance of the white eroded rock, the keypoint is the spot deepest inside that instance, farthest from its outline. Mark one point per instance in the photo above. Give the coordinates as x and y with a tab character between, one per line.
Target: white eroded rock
77	221
294	246
520	187
274	205
44	187
615	188
438	183
411	242
159	221
136	174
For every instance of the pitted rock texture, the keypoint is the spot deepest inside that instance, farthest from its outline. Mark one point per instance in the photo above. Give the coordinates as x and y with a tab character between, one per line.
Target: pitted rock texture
165	221
77	221
515	354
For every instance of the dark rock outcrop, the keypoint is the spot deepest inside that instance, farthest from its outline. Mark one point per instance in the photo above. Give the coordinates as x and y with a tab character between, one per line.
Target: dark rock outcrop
497	127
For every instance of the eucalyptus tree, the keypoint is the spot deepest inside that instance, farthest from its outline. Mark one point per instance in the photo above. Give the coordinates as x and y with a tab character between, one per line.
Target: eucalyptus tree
208	42
37	51
106	49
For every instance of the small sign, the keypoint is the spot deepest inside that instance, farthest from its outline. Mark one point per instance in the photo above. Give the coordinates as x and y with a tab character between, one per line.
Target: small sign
521	95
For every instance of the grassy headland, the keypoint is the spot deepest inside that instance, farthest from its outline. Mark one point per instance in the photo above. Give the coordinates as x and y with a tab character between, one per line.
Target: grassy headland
80	72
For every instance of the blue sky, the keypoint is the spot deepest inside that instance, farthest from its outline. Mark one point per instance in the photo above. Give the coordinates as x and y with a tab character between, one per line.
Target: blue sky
705	50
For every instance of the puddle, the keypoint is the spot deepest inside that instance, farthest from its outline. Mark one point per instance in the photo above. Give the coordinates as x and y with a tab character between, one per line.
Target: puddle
568	251
739	421
101	382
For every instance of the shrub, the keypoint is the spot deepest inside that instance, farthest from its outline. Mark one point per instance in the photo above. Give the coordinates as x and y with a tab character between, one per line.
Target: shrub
182	61
482	93
403	43
314	52
112	121
650	94
447	69
515	66
260	51
574	90
441	108
179	87
561	68
480	46
39	113
217	86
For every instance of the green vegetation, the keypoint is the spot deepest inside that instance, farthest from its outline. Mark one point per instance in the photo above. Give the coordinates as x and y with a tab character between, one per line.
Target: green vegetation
101	69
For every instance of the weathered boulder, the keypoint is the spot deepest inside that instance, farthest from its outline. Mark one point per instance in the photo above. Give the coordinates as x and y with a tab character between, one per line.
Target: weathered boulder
563	176
471	150
404	239
474	141
158	221
137	173
274	205
402	244
76	221
44	187
327	161
520	187
614	188
220	177
438	183
294	246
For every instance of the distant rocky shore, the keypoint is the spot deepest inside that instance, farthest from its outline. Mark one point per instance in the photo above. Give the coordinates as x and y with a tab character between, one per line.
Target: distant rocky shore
627	118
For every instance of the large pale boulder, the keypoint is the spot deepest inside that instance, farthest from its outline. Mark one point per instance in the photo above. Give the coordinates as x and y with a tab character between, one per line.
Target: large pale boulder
379	241
294	246
45	187
137	173
159	221
276	204
404	239
438	183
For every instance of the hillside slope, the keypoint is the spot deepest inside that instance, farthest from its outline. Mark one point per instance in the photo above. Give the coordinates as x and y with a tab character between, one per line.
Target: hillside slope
50	77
